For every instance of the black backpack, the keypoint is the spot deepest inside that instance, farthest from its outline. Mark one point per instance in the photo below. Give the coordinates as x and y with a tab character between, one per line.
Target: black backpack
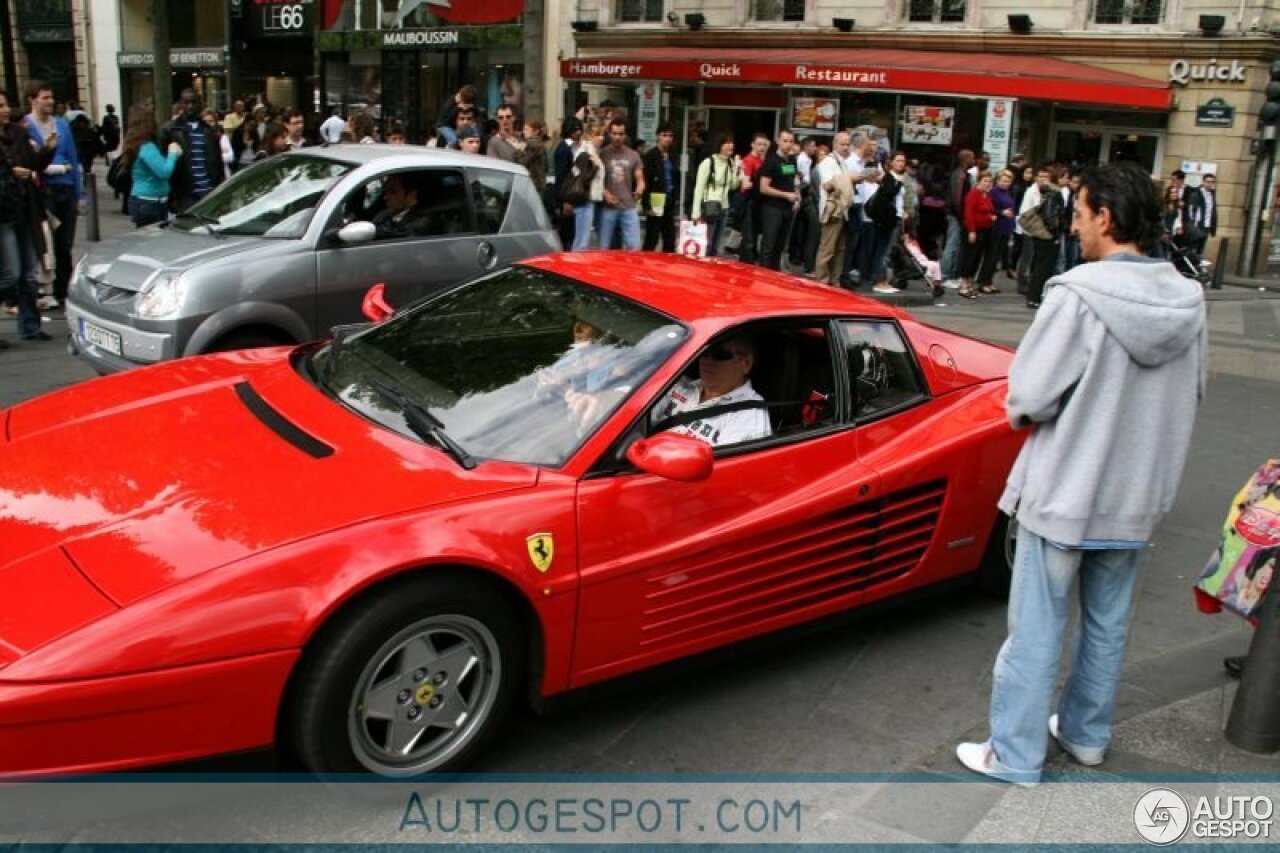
881	208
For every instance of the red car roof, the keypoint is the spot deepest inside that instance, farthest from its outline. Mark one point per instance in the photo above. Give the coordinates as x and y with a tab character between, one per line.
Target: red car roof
706	289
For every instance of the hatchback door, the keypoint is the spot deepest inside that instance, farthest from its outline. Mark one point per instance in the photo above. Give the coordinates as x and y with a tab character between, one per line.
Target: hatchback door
425	241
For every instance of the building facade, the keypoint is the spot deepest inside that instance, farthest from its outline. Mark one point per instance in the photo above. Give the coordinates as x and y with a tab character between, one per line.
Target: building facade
1167	83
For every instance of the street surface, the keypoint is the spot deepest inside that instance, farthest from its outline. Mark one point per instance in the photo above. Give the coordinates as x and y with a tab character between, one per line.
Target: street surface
896	691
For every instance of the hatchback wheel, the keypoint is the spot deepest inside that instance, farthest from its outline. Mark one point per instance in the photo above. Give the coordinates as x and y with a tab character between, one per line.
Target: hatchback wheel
414	681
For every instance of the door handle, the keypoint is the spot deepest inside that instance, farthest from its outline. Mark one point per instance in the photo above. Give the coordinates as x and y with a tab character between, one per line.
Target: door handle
487	255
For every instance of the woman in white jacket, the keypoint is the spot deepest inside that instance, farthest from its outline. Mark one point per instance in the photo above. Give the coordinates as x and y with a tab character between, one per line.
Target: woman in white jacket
718	178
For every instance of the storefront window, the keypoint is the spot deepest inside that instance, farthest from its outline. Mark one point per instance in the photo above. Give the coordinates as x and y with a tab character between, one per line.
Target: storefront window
936	11
640	11
1128	11
777	10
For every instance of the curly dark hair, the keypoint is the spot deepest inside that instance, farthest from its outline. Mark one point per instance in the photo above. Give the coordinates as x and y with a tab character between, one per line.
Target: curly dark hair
1126	189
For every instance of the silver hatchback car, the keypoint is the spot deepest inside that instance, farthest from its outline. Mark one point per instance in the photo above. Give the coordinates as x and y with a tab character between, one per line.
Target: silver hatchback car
288	247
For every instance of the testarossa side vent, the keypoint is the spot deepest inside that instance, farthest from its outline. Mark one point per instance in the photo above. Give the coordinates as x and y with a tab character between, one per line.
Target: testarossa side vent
281	425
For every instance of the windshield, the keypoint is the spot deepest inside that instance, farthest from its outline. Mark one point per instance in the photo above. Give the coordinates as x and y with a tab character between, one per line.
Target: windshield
273	198
520	366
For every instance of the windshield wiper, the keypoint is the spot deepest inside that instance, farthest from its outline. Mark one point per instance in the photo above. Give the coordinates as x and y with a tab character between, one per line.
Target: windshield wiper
338	338
207	221
424	424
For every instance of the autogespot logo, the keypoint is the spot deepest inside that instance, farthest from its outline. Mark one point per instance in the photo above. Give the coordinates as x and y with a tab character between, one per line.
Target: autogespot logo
1161	816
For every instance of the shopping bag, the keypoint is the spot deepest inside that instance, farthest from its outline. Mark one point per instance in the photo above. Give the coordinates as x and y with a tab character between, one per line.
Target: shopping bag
1241	569
693	239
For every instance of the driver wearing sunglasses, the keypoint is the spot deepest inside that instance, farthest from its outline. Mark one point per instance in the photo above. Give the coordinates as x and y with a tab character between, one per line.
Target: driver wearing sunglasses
722	379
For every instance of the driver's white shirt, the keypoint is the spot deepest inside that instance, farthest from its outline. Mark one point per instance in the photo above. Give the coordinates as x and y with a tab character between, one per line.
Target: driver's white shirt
728	428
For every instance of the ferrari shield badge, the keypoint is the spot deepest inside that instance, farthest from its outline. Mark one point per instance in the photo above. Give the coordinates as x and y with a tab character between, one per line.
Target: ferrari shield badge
541	550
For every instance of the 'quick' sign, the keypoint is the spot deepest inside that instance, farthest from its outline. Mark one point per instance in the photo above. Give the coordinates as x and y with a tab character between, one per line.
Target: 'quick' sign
1183	72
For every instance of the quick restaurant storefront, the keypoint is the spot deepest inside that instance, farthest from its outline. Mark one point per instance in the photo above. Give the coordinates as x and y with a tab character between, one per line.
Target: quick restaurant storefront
1174	103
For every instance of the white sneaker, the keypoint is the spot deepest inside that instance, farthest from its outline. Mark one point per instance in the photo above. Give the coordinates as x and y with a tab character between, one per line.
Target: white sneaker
951	284
1082	755
981	758
884	288
44	303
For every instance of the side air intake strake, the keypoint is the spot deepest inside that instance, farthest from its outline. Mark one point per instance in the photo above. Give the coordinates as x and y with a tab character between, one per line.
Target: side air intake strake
806	564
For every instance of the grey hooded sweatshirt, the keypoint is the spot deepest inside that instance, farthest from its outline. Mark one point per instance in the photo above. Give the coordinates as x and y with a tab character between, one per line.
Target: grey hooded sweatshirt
1108	377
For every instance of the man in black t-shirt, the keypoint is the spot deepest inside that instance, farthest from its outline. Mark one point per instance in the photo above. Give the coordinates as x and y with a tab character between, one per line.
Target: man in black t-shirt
778	199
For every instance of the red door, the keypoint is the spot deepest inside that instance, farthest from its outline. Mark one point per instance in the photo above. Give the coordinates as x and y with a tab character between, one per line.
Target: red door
774	537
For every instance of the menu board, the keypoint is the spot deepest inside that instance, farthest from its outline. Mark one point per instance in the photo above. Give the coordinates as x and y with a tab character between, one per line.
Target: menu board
927	125
818	115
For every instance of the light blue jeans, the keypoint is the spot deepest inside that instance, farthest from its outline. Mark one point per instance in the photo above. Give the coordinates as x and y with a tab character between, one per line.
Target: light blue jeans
584	219
953	248
1026	669
628	218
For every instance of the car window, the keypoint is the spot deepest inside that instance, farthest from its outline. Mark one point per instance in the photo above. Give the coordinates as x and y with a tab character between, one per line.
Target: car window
490	193
777	378
273	198
412	203
521	365
881	367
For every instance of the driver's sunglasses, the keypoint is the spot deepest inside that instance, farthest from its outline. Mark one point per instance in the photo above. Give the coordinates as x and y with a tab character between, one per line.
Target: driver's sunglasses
719	353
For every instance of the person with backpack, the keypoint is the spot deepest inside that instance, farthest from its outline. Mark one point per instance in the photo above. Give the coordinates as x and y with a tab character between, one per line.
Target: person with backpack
1040	218
885	210
585	187
716	181
150	169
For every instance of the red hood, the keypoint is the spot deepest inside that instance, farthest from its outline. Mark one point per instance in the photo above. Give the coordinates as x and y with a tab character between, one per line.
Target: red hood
151	477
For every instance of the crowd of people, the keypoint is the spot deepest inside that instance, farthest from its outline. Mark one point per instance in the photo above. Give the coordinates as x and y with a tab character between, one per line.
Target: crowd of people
845	210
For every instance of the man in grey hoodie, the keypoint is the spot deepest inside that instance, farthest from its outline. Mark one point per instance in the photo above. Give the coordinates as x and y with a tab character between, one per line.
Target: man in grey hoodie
1107	379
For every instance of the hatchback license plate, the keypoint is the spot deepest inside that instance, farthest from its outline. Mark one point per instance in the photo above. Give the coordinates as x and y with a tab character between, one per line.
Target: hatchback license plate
103	338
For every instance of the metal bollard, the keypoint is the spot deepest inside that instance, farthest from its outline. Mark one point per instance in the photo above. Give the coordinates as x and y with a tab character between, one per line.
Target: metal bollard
92	231
1220	265
1254	724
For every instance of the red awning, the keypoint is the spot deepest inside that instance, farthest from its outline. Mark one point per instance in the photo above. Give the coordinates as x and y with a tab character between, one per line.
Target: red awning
976	74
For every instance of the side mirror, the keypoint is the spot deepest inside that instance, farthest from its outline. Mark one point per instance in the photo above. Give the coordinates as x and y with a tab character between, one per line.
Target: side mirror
672	456
356	233
375	306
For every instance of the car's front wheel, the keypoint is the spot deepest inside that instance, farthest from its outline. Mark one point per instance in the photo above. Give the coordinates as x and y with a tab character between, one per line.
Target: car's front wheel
414	680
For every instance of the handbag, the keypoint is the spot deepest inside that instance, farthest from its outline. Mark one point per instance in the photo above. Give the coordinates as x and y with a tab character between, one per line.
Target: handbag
1241	570
120	176
712	210
1033	224
12	200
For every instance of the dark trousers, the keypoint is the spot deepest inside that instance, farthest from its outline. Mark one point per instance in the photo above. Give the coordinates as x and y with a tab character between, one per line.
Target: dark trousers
873	254
804	234
980	257
1044	254
18	273
663	226
852	240
748	217
145	212
775	225
565	227
61	202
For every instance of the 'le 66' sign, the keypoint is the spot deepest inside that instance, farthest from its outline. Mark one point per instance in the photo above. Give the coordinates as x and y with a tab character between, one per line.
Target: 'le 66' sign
285	17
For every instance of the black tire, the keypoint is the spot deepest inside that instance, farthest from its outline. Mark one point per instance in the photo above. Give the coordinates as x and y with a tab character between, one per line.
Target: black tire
369	660
243	340
996	572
